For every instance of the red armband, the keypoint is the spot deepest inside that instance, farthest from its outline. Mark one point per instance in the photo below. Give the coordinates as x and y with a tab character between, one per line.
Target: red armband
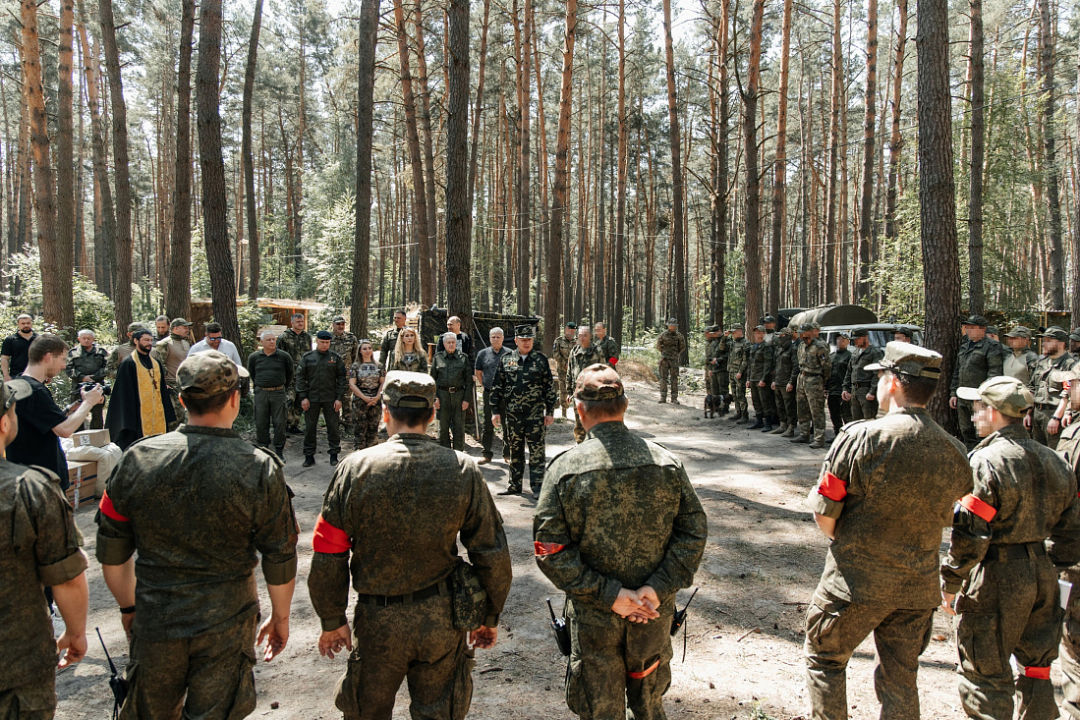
107	509
832	487
978	508
613	360
1038	673
329	539
543	549
644	673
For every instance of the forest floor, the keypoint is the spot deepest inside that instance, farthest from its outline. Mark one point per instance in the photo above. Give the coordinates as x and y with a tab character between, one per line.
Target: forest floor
744	656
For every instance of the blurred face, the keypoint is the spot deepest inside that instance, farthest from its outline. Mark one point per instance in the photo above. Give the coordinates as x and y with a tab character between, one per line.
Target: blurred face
496	341
162	327
399	319
408	337
1052	346
983	417
367	352
298	324
213	339
770	326
738	334
842	343
26	325
339	327
1017	343
322	345
524	345
585	339
807	337
87	340
568	333
450	345
759	335
1074	395
861	342
269	344
181	330
975	333
901	337
453	326
55	364
600	331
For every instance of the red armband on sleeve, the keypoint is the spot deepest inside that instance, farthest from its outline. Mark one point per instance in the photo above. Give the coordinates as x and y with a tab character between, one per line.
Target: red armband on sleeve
329	539
543	549
832	487
107	509
978	508
613	360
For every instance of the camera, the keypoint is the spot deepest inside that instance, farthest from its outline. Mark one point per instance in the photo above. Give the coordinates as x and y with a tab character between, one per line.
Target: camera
106	388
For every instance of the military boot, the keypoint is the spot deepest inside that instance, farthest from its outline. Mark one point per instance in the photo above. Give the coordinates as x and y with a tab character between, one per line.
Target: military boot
333	459
662	400
309	460
742	417
758	424
779	429
768	424
817	445
510	491
801	439
789	431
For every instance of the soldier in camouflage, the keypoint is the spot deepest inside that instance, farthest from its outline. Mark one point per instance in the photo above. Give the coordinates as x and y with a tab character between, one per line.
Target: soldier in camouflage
714	391
87	362
1020	360
39	546
608	347
453	376
1024	495
738	364
584	356
839	406
561	351
171	351
524	391
122	351
345	344
759	380
859	383
1044	420
398	509
884	515
365	385
670	344
619	529
979	358
785	376
1069	449
296	341
815	367
179	526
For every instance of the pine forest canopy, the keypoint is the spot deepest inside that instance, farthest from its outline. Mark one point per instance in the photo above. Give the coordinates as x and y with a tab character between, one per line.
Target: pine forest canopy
623	161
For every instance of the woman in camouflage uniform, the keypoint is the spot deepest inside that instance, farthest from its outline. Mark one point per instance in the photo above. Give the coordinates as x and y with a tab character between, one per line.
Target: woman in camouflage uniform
409	355
365	384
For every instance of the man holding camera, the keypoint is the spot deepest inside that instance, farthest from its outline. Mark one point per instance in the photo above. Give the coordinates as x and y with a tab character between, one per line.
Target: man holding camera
86	366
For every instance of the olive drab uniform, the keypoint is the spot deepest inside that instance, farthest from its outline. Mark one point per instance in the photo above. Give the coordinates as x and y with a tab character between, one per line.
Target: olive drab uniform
366	418
815	366
716	360
93	364
786	373
839	408
397	509
590	545
1008	592
581	359
738	363
860	382
295	344
762	360
195	506
347	347
561	352
609	349
525	390
1069	448
454	379
671	344
881	570
39	546
171	352
976	362
1047	394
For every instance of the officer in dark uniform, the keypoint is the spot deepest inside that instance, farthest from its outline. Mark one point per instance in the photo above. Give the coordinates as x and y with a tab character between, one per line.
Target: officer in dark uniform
87	362
196	504
839	406
619	529
859	383
272	373
452	371
320	386
398	509
884	515
979	358
759	381
524	390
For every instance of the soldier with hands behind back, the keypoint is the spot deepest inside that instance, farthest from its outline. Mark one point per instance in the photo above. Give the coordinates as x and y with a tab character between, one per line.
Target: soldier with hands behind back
670	344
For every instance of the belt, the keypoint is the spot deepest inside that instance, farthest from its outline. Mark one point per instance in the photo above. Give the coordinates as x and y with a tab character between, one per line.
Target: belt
1045	405
860	384
266	389
1023	551
452	389
439	588
811	374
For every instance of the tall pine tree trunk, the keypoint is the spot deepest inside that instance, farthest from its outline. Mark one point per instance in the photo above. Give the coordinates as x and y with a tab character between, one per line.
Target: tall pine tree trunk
866	220
978	145
429	153
369	30
524	210
720	185
620	191
65	168
458	190
681	312
752	235
254	256
896	139
1046	69
832	237
478	109
780	170
178	297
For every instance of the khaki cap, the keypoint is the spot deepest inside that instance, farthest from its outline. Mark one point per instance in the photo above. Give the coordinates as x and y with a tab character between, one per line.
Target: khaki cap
1005	394
910	360
409	390
1019	331
177	322
210	373
13	390
598	382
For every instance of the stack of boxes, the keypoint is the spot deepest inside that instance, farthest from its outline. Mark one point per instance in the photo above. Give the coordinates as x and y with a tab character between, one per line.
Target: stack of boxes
84	487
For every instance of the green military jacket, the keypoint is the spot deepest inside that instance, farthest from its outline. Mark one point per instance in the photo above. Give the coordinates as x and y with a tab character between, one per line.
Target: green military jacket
39	546
1042	386
609	348
171	352
81	363
762	360
410	362
397	509
739	357
1020	365
814	359
976	362
321	377
524	385
841	362
1024	493
787	362
856	374
119	354
617	511
453	371
581	359
195	506
294	343
890	511
716	354
671	345
345	345
562	350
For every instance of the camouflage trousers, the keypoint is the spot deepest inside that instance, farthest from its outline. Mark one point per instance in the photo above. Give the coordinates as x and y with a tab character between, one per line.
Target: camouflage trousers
964	410
1043	413
1009	609
563	377
295	412
519	431
811	393
415	642
616	665
366	419
764	399
178	408
861	408
452	418
738	392
716	382
208	677
836	627
669	374
839	412
30	701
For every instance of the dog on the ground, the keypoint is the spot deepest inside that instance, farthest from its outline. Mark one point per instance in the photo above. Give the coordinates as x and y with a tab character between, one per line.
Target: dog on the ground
712	405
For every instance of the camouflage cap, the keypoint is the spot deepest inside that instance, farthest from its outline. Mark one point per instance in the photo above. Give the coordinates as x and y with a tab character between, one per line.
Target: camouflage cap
210	373
786	331
409	390
992	330
324	335
1019	331
843	335
712	328
759	328
177	322
910	360
860	332
338	319
806	327
977	320
672	321
1005	394
816	326
598	382
1055	333
13	390
769	319
132	327
736	326
525	332
1075	336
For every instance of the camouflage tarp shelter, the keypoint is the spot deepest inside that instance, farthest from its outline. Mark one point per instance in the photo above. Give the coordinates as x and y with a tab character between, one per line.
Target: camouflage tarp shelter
828	315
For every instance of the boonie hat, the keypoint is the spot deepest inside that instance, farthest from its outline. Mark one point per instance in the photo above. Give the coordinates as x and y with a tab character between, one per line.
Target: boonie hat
13	390
910	360
1005	394
207	374
975	320
1019	331
598	382
409	390
177	322
525	331
338	318
1056	333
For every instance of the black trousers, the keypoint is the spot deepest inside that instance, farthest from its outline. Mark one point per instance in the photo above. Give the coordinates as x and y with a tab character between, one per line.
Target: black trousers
311	426
839	411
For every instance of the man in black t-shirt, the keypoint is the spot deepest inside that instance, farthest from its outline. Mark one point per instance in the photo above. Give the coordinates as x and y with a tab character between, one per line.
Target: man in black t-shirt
41	421
15	350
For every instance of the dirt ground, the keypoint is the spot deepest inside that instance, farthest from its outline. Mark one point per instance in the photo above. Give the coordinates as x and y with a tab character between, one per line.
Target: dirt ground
744	646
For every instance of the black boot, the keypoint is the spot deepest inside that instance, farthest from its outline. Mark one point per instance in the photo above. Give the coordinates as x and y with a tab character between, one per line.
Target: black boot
768	424
758	424
309	460
333	459
742	417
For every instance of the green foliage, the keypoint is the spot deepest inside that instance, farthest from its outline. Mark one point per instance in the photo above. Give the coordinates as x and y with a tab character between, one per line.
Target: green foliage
331	265
250	318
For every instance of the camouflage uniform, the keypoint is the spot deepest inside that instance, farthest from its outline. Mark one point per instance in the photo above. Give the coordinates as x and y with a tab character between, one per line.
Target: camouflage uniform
525	391
716	361
297	345
171	352
815	367
786	373
618	511
1008	605
738	360
671	344
1047	394
92	364
119	354
762	360
346	346
609	349
321	380
398	508
860	382
389	342
368	377
39	546
1069	448
196	504
975	362
881	571
839	408
453	376
581	359
561	352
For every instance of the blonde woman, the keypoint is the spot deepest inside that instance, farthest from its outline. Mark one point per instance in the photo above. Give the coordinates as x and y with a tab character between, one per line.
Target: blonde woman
409	355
